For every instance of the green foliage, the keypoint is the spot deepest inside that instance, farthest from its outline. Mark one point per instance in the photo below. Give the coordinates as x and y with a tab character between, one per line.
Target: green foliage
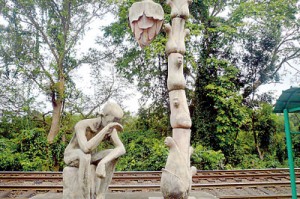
24	146
56	152
252	161
266	124
204	159
154	120
295	127
224	113
26	151
249	149
10	159
227	104
144	151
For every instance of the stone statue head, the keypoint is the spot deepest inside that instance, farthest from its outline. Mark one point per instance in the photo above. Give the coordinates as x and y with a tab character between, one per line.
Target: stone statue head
111	112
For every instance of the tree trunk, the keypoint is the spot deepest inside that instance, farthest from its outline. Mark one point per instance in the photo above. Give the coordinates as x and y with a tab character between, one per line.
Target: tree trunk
252	88
261	156
55	124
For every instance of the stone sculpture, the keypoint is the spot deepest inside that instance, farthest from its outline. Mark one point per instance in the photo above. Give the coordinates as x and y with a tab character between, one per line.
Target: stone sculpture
180	114
179	8
145	19
89	172
176	178
176	79
176	35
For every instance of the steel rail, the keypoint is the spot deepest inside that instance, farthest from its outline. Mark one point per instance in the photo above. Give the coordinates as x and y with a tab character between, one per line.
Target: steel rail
200	173
246	177
151	186
25	177
155	172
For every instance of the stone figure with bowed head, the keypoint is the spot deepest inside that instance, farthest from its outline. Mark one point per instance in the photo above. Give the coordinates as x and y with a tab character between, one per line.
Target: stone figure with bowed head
88	172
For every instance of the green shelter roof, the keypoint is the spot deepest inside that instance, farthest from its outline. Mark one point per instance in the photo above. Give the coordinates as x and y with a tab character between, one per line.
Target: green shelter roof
289	99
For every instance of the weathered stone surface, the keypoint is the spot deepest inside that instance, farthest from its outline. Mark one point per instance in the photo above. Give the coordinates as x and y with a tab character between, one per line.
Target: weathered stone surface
72	188
176	34
180	114
176	176
182	137
89	172
179	8
130	195
176	79
145	20
98	186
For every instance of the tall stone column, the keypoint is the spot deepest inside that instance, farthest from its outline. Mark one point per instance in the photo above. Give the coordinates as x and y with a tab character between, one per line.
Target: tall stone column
177	176
145	20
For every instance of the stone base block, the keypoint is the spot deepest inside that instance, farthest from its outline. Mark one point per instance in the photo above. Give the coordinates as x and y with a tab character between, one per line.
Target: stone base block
190	197
71	190
130	195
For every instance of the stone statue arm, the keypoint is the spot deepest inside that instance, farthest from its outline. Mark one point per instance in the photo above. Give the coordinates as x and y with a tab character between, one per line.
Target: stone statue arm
88	146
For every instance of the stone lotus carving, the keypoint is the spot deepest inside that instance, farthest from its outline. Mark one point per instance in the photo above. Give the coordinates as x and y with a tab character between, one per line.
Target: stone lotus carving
146	19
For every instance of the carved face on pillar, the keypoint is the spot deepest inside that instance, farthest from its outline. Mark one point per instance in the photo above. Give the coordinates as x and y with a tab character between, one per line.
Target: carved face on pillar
180	114
145	19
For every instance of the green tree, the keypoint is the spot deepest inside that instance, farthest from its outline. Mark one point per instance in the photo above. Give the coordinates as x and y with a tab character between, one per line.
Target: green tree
269	40
216	108
230	113
247	38
38	44
263	127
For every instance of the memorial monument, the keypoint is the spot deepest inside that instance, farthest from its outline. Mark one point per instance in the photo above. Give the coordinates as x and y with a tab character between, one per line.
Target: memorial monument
89	172
146	18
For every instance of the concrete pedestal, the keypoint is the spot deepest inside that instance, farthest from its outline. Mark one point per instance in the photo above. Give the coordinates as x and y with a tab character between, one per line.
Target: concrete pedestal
130	195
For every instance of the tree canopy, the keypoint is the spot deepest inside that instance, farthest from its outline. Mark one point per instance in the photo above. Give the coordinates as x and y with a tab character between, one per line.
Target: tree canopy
39	48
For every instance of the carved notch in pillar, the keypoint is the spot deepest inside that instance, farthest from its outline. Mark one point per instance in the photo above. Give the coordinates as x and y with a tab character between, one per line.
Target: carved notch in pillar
176	34
179	8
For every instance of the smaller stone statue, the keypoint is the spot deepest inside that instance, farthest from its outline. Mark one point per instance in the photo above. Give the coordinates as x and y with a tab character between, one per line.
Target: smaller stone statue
89	172
176	179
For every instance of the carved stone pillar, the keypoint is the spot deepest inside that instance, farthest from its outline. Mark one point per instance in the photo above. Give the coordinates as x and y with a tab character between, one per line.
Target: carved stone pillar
177	176
145	20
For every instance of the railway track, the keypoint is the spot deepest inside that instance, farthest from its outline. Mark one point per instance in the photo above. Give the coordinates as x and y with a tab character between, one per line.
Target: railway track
271	183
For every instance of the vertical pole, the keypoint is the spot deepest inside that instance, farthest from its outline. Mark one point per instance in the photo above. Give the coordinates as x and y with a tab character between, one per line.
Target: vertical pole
290	153
176	178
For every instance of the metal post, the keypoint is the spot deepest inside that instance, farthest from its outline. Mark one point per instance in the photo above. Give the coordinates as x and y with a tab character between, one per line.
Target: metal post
290	153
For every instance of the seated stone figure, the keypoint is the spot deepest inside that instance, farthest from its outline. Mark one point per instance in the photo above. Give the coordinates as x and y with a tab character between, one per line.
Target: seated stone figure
89	172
